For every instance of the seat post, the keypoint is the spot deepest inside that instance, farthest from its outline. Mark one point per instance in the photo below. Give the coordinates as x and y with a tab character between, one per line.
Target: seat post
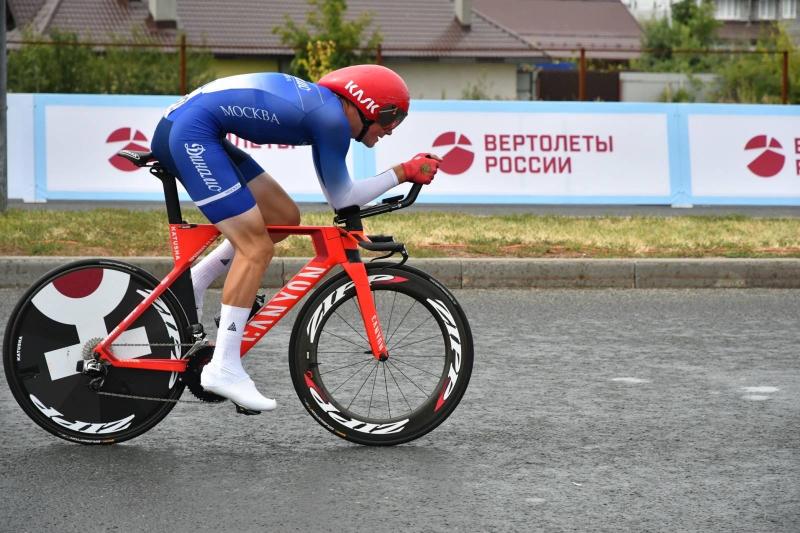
182	287
170	194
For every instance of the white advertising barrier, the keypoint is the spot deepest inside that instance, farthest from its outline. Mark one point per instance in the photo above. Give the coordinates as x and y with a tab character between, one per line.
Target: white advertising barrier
80	147
744	156
558	156
63	146
20	146
80	162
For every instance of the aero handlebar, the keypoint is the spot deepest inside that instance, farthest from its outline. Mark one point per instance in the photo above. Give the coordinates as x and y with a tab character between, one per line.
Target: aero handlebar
351	216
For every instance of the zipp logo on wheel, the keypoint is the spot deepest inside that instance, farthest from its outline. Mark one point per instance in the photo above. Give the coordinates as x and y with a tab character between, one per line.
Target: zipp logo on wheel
769	159
352	423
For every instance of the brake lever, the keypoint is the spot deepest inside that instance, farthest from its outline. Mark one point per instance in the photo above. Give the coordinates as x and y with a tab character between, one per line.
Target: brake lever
403	252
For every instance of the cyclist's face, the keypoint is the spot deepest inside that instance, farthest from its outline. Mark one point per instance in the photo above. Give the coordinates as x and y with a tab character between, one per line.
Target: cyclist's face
374	133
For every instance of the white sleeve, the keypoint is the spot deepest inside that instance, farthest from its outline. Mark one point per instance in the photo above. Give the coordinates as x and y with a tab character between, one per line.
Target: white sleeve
361	191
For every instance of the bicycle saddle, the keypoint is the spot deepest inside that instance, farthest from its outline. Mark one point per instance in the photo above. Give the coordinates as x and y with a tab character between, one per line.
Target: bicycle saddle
139	159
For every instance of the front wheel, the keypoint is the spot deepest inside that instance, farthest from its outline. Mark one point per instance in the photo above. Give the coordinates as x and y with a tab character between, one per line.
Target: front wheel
372	402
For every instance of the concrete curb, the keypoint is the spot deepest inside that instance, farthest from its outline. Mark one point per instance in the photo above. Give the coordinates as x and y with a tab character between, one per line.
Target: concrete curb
20	272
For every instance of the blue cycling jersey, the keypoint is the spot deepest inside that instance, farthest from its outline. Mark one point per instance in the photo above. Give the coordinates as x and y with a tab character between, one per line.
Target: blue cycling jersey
265	108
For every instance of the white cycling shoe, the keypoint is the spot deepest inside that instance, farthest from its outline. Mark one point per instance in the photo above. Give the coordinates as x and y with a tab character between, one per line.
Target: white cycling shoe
240	390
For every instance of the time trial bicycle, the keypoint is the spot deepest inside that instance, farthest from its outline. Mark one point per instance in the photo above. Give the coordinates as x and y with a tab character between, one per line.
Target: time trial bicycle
99	351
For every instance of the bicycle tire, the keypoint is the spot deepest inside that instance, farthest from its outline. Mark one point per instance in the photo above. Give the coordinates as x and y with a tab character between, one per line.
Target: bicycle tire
48	330
433	352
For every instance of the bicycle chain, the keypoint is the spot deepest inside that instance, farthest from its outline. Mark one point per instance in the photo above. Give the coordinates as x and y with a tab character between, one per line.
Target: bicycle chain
161	344
151	398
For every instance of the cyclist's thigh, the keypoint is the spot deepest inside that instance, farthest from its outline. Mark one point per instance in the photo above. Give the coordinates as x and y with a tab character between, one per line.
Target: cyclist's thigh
247	166
213	181
276	206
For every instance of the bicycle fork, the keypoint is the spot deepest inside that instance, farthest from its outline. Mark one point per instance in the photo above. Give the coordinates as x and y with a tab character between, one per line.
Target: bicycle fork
372	324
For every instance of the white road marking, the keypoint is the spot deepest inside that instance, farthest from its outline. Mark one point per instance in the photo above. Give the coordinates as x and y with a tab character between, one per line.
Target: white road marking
758	394
763	390
631	380
535	501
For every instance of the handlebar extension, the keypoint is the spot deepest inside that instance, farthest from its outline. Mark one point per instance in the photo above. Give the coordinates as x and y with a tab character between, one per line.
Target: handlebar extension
351	216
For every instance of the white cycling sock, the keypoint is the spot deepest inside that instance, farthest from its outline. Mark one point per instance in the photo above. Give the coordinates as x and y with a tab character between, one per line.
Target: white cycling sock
226	363
210	268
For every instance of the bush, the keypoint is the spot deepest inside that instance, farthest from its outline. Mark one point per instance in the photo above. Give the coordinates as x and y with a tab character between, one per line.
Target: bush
691	27
757	78
63	65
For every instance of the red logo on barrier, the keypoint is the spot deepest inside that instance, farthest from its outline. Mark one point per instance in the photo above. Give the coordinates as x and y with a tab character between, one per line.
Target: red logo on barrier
769	162
458	159
130	136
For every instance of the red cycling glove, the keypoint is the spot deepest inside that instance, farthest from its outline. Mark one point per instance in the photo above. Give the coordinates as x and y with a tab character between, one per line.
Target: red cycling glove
421	168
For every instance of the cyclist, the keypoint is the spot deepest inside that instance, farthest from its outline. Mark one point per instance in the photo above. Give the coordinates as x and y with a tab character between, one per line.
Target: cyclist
364	102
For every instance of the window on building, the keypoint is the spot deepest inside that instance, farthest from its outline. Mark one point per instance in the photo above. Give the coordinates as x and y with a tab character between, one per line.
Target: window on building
767	10
525	84
789	9
731	10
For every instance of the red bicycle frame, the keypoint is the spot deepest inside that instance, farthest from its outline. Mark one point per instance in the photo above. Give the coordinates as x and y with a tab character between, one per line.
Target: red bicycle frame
332	245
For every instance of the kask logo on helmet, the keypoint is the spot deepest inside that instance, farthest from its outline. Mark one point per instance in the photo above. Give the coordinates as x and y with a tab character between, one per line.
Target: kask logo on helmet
358	94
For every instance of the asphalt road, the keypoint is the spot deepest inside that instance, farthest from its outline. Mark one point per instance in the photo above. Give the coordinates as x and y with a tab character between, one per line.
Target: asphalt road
587	411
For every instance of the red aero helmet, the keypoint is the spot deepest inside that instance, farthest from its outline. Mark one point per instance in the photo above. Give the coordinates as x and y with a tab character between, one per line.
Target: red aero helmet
378	92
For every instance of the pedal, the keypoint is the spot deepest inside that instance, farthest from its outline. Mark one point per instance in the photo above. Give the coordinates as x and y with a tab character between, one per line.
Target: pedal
245	411
257	304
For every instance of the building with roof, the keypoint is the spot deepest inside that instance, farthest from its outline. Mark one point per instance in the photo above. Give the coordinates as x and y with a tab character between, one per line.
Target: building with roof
742	20
441	47
605	28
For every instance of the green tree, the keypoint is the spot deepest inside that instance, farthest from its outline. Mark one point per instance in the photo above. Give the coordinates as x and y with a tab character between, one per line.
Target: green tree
65	66
325	24
757	78
317	62
690	27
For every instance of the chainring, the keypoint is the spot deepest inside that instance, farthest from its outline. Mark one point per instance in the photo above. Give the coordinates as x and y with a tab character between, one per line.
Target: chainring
191	376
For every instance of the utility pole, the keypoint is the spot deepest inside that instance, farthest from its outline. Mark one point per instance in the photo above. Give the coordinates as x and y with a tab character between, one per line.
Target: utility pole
3	112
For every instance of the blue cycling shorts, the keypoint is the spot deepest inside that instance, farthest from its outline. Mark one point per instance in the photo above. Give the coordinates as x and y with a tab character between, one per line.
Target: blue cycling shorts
213	171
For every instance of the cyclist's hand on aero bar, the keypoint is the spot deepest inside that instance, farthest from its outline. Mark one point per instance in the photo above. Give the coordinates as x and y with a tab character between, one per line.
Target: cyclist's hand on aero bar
421	168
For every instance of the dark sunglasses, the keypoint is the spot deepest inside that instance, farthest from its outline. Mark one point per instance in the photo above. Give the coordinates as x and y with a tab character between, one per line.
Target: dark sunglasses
390	116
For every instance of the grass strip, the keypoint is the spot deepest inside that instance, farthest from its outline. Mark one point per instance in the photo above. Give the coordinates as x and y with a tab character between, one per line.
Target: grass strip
122	232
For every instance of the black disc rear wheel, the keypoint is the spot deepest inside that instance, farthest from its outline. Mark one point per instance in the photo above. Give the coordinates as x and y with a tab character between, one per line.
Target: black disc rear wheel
54	322
373	402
